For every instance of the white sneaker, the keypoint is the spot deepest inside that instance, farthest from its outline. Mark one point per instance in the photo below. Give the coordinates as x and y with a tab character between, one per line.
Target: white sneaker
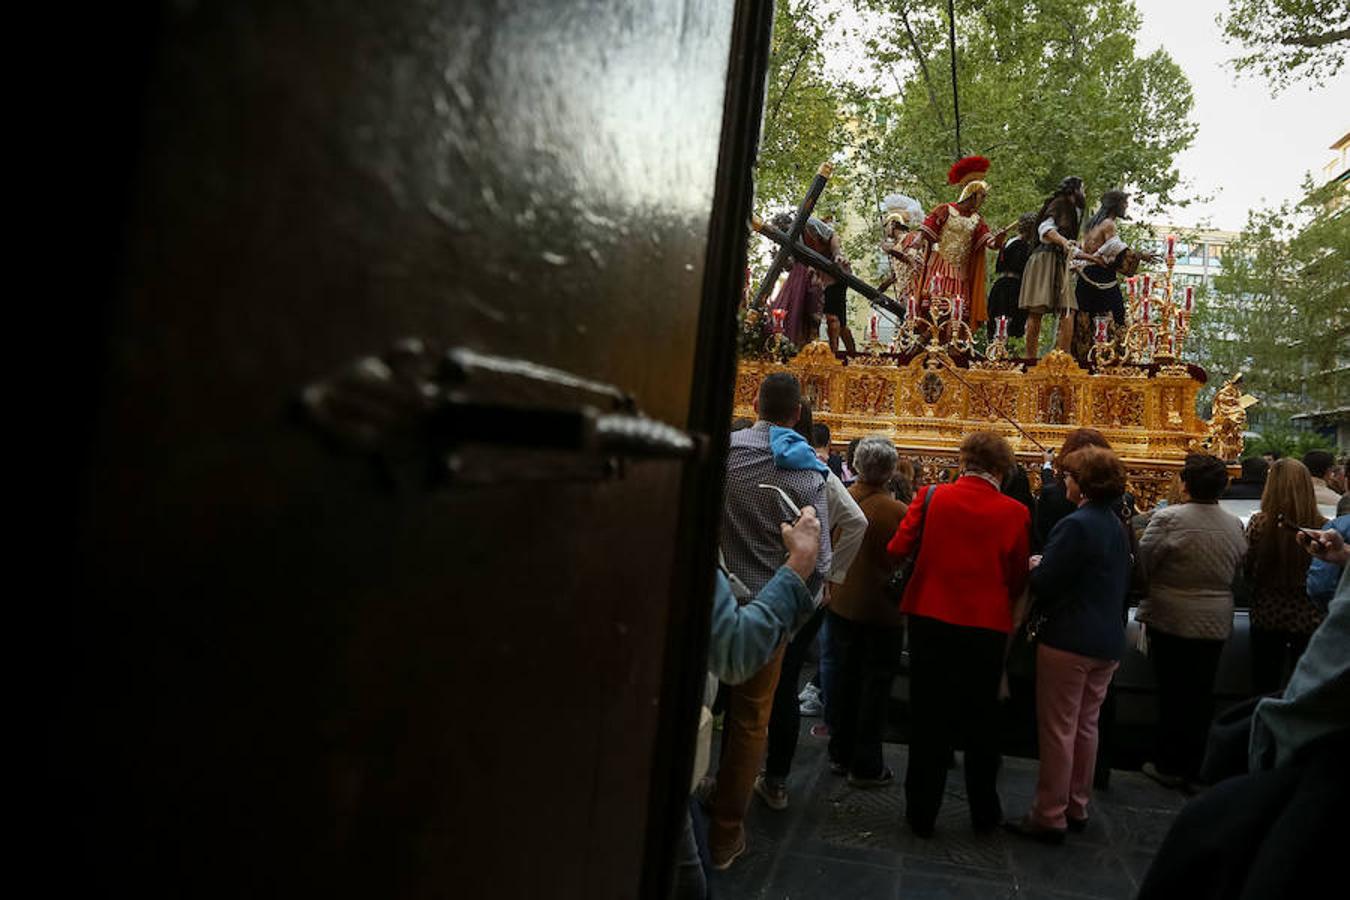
809	701
772	791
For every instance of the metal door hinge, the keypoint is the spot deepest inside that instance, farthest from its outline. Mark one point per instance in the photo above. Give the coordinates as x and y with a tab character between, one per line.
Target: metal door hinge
476	418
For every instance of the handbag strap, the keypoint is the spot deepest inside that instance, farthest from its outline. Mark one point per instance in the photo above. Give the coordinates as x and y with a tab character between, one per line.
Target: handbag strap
923	519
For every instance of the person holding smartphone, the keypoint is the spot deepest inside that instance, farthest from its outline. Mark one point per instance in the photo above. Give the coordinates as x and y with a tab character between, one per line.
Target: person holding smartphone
1283	619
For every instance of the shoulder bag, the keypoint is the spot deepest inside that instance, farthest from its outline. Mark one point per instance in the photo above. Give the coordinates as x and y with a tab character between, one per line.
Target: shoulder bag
899	579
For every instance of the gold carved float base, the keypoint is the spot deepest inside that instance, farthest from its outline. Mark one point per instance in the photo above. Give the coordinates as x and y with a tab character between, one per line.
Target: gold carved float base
927	406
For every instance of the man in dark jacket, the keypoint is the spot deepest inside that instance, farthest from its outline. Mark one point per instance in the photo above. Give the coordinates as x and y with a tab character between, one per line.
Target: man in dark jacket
1252	482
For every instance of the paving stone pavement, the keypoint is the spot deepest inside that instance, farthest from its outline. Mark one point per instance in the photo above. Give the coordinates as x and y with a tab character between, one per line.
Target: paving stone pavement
837	842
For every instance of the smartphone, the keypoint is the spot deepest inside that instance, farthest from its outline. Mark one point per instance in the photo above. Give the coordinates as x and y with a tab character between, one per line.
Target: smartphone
789	509
1284	523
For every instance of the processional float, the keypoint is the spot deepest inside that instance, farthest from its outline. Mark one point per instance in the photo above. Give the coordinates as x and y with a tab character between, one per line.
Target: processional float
932	385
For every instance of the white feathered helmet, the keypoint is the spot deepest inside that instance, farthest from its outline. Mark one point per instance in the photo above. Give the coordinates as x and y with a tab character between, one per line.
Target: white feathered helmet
901	209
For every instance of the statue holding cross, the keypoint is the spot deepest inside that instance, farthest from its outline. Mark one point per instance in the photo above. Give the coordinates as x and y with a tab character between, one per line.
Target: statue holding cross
808	244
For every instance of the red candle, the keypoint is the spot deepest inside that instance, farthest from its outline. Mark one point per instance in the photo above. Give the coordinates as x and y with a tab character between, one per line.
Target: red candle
1144	308
874	327
909	306
1171	245
1148	286
1002	333
1190	297
959	304
1100	322
1130	283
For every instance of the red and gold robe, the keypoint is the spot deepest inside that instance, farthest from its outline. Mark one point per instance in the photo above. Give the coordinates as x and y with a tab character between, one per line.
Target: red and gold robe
956	260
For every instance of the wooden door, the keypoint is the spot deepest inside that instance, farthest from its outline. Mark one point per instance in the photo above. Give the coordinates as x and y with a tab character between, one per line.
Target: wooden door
438	665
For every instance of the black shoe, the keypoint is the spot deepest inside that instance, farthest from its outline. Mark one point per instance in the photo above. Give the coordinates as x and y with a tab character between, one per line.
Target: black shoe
923	830
986	826
1028	829
1173	782
987	817
1077	826
882	780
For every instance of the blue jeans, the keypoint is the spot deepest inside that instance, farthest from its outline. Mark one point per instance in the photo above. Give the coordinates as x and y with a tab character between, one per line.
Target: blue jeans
829	666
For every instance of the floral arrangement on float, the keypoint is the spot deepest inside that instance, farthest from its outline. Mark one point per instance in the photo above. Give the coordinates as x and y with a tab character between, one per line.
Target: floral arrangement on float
760	335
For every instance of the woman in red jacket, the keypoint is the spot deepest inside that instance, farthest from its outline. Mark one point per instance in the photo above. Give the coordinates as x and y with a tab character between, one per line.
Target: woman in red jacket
971	569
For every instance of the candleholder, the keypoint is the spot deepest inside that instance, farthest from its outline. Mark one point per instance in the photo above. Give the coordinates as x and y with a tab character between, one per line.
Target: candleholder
926	327
1162	342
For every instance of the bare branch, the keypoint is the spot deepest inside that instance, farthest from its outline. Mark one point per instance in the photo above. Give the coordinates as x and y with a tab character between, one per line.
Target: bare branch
923	66
787	85
1315	40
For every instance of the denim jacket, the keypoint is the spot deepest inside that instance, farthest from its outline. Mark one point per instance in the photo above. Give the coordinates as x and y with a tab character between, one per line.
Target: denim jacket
745	637
1323	575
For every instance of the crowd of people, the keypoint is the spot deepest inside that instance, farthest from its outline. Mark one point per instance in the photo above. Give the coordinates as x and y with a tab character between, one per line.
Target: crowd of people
976	576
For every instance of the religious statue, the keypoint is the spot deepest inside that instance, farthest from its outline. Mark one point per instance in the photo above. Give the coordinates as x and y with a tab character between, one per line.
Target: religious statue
802	295
1228	419
901	243
956	237
1047	287
1104	258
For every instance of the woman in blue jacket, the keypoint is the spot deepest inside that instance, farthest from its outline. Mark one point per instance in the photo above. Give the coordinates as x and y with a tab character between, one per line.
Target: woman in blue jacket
1080	584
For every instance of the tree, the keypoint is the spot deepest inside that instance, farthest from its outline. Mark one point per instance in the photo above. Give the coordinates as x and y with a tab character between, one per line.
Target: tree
1280	311
1289	40
1047	89
803	113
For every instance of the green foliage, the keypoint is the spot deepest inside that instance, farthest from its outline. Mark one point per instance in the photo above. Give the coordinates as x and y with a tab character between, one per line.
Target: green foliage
756	337
1289	40
803	113
1287	443
1280	311
1048	88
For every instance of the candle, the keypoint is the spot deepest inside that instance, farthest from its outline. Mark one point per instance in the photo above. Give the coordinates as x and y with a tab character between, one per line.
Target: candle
1144	308
874	326
1190	297
956	315
1148	286
1002	333
909	306
778	315
1171	245
1130	283
1100	322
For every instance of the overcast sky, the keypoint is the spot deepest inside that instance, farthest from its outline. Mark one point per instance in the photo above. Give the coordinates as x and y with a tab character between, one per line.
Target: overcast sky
1251	150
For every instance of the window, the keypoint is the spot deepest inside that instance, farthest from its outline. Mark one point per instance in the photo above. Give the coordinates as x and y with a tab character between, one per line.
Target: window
1194	255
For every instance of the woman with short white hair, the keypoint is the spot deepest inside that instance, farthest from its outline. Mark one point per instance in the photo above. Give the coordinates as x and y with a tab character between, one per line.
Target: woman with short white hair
865	628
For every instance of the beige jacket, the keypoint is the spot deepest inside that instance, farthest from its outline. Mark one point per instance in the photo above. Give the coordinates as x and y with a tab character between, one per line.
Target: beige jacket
1191	553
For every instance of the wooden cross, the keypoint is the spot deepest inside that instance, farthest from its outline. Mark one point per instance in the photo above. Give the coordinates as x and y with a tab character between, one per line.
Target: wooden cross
791	246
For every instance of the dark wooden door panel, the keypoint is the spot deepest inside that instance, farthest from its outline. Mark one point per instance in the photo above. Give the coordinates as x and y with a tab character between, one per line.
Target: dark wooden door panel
294	676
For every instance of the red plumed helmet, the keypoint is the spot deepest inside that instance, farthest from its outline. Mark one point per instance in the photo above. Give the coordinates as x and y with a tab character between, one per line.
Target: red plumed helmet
967	169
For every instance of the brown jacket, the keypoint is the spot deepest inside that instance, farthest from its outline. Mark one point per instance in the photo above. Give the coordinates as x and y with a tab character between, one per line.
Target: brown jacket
861	597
